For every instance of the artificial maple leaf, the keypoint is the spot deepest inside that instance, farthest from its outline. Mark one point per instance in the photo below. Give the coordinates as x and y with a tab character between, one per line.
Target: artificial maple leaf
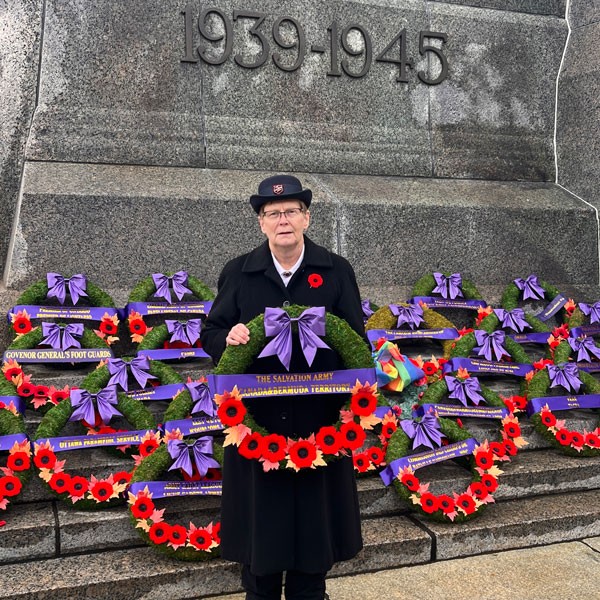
267	465
318	462
3	505
369	421
143	525
346	416
462	373
415	499
235	435
45	475
157	515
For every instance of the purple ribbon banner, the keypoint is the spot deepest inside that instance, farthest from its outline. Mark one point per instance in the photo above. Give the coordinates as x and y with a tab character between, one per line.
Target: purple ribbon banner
444	333
79	442
291	384
585	330
453	410
552	308
535	405
174	353
16	400
589	367
447	303
430	457
160	392
486	366
529	338
160	308
7	441
90	313
193	426
171	489
50	355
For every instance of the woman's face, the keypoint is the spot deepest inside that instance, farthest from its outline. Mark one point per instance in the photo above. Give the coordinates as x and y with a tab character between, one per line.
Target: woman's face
283	232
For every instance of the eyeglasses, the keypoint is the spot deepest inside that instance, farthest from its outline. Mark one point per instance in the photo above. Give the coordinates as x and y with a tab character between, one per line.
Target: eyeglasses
290	214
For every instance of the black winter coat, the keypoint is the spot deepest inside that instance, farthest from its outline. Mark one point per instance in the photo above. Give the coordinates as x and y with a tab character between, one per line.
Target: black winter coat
282	520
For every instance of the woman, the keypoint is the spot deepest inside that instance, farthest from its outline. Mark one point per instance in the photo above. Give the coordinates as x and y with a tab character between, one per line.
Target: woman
277	521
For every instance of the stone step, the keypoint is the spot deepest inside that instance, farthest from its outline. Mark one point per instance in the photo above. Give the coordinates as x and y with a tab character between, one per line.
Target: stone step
393	541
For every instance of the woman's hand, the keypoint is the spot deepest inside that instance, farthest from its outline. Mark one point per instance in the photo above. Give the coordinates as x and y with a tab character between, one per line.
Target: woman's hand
238	334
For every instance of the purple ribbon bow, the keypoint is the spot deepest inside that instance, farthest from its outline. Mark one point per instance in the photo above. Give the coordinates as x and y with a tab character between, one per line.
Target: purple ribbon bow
188	332
512	319
490	344
530	287
57	286
202	450
83	403
448	286
465	390
311	324
139	366
62	338
411	315
366	309
585	347
425	432
593	311
177	281
202	398
566	375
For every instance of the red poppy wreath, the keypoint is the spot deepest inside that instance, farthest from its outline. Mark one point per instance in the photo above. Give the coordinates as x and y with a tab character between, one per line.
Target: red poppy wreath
275	451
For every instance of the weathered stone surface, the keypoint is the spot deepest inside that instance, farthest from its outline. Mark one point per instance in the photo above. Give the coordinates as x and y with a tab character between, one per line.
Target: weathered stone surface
19	57
583	12
538	7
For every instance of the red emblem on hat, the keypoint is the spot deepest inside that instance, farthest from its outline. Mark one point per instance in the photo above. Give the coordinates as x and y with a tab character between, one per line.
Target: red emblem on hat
278	188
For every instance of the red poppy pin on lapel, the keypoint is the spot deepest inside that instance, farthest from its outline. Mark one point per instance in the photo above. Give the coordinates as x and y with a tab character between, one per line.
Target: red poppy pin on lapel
315	280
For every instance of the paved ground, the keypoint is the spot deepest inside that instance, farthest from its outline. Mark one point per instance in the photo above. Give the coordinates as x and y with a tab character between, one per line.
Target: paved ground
560	572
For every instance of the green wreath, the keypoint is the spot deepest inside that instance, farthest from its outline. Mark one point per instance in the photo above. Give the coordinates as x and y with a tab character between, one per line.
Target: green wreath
37	294
443	507
255	442
177	541
18	465
570	442
425	285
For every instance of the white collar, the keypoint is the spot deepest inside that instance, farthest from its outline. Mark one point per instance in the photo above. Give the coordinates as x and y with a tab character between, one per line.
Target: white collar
288	272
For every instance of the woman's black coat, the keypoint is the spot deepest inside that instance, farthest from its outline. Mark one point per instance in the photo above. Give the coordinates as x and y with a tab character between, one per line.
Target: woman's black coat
283	520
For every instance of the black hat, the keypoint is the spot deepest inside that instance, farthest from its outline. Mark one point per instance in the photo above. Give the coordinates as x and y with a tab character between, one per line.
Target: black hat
280	187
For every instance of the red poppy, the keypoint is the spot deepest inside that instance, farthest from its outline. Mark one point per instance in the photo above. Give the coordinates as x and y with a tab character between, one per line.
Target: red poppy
78	487
410	481
142	508
138	326
216	532
122	477
429	503
353	435
490	482
512	430
14	372
429	368
251	446
177	535
315	280
108	327
58	395
10	486
376	455
148	447
159	533
303	453
41	391
459	423
479	490
562	331
592	440
577	439
102	491
484	459
446	504
548	419
212	475
22	325
510	447
388	429
363	403
361	462
273	447
26	389
520	402
563	437
60	482
231	412
466	503
498	449
329	440
201	539
18	461
44	459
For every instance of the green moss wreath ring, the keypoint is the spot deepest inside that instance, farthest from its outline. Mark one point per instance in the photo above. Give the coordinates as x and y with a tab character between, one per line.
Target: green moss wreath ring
16	470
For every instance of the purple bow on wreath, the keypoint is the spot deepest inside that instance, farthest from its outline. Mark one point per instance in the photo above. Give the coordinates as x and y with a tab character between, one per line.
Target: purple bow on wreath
448	286
177	281
512	319
366	309
530	287
566	375
85	403
425	432
585	348
62	337
202	398
188	332
139	366
490	344
411	315
57	286
464	390
278	324
591	310
202	450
